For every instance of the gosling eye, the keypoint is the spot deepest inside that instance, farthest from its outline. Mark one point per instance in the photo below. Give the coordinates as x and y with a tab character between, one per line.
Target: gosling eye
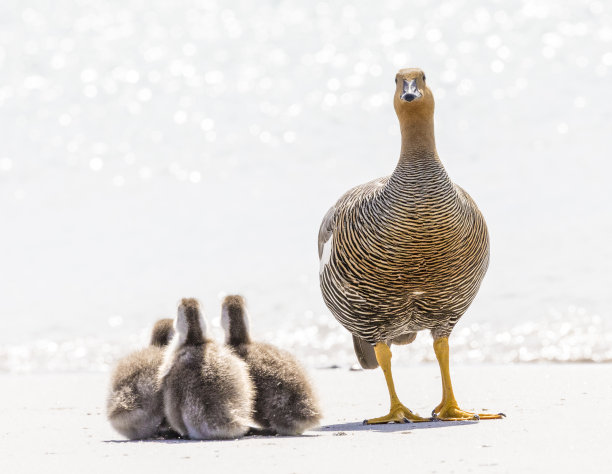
396	80
423	77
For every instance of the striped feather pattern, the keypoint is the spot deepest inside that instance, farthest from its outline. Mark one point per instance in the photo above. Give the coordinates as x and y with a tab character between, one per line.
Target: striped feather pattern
403	253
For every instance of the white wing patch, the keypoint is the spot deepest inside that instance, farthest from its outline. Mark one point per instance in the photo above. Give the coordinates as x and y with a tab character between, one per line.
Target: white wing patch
326	254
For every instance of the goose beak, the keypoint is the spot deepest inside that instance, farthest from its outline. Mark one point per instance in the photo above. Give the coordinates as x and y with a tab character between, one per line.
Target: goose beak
410	92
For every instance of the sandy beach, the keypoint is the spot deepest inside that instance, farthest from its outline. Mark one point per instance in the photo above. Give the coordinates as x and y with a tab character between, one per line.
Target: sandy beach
557	421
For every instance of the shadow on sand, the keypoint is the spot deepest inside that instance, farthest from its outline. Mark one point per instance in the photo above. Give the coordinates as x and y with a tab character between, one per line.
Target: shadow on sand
252	433
393	427
336	428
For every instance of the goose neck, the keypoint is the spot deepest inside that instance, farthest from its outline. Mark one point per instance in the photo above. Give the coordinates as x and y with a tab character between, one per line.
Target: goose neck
418	139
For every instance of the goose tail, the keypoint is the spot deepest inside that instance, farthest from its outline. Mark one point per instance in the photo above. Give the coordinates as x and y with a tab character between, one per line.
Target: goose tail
365	353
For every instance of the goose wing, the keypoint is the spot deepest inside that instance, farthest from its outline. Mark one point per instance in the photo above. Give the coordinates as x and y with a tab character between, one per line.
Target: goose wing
327	229
364	350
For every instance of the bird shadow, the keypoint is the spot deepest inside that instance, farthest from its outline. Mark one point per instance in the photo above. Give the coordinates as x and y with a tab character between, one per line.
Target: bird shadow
185	440
336	429
393	427
173	438
171	441
150	440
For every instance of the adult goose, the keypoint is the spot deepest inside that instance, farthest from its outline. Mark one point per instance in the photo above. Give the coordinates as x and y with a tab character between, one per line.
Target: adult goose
405	253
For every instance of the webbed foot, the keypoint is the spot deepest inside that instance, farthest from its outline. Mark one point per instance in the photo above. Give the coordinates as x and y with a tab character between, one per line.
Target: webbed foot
451	412
398	414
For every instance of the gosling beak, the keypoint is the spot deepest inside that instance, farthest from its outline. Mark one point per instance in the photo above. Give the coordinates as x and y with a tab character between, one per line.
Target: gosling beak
410	91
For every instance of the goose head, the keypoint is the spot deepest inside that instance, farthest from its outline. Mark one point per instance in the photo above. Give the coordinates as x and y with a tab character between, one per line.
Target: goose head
412	99
162	332
235	320
190	325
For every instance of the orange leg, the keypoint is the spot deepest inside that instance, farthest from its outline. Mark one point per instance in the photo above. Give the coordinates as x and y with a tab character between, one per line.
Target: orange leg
398	412
448	409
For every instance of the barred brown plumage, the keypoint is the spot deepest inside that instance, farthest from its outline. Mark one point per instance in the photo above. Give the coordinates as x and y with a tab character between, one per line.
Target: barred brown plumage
406	252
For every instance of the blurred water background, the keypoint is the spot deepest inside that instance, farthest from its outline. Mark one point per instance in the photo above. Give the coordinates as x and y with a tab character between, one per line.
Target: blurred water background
155	149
